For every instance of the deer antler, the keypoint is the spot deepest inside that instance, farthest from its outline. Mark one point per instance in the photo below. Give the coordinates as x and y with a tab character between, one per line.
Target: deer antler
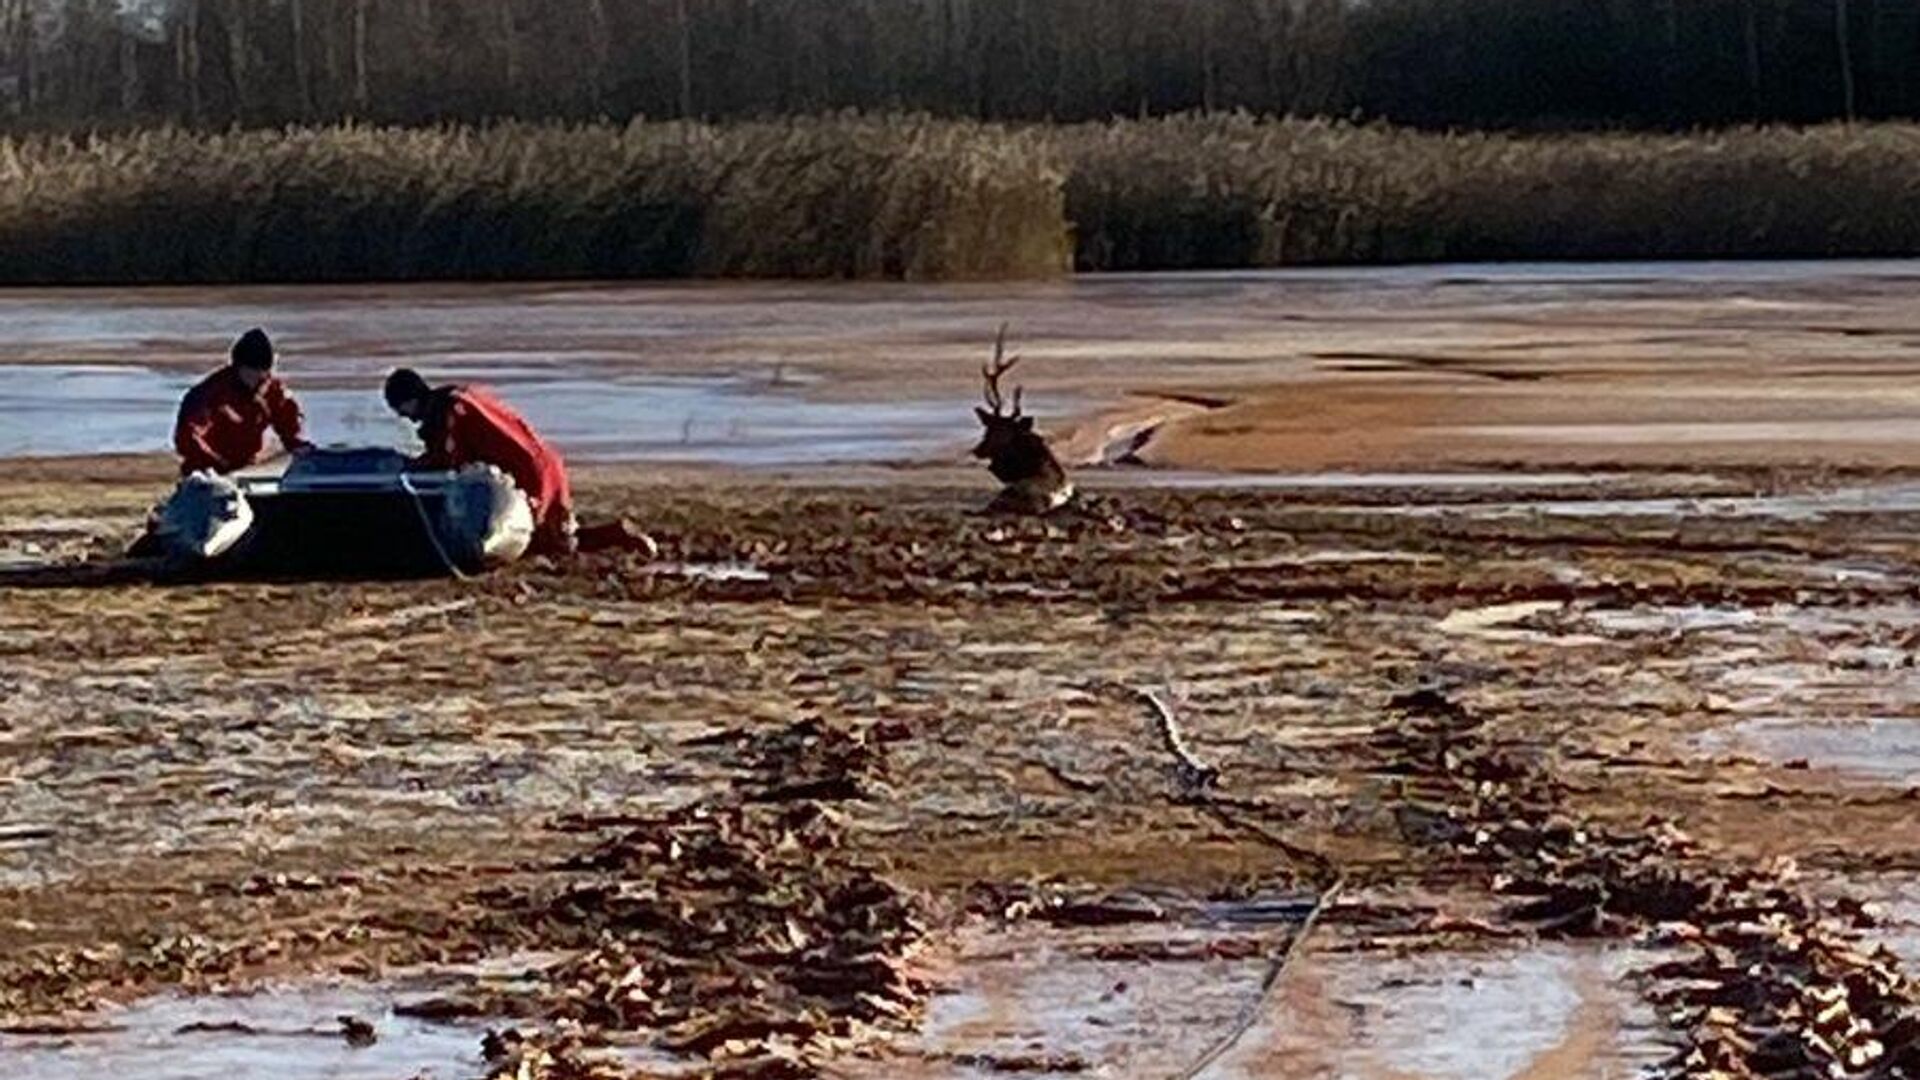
1002	363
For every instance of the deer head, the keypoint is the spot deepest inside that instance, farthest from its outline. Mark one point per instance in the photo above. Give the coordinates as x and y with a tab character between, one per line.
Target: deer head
1016	455
1008	433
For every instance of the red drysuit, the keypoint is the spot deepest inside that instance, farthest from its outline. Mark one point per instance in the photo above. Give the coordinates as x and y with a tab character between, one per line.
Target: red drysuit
223	425
467	425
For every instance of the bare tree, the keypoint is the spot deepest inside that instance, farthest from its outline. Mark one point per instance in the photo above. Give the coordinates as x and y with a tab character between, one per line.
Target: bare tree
238	58
1207	59
302	78
129	73
16	45
600	33
1842	41
31	75
1877	75
273	61
187	55
510	42
361	98
684	30
330	49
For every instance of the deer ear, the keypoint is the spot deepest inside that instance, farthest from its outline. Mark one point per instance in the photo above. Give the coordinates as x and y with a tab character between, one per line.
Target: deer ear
985	416
1026	423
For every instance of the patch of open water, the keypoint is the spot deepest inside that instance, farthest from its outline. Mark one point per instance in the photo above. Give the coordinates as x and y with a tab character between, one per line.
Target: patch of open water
289	1033
1883	749
57	410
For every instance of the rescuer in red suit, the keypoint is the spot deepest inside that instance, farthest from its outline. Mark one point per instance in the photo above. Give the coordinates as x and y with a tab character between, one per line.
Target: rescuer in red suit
223	420
468	425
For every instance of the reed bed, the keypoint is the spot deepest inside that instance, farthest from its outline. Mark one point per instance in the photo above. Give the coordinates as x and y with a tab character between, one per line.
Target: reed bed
915	198
901	198
1231	191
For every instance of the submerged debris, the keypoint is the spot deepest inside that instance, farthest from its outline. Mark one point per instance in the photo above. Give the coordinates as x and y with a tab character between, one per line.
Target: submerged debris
1064	905
357	1032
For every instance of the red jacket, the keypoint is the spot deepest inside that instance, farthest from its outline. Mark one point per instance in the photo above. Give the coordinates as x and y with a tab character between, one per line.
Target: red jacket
467	425
223	426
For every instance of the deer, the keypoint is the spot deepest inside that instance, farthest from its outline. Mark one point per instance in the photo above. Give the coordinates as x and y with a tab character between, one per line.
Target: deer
1016	455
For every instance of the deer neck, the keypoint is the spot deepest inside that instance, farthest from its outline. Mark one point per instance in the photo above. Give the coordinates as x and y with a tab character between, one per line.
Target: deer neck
1029	460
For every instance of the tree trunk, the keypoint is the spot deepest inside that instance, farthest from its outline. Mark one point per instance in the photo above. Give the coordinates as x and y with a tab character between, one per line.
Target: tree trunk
129	73
1673	106
237	54
330	53
1877	89
30	74
1843	43
28	62
1018	95
190	59
302	79
1207	77
510	43
955	80
360	96
1282	73
685	31
426	72
601	29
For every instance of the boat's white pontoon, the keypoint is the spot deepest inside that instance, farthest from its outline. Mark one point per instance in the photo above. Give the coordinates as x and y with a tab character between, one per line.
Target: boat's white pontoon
355	512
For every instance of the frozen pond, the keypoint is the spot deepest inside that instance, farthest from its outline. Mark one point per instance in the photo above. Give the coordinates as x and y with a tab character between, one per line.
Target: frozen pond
1675	359
48	410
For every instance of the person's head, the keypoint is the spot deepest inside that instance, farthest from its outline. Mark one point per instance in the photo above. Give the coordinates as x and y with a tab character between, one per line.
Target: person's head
407	393
252	358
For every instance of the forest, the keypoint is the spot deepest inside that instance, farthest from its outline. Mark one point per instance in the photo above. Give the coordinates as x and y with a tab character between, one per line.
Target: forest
1506	64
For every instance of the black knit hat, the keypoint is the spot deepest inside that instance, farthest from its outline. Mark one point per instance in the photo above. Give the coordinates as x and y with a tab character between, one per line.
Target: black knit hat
404	385
253	350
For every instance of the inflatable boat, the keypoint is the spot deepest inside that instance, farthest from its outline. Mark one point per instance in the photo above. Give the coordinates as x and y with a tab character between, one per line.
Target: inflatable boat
344	512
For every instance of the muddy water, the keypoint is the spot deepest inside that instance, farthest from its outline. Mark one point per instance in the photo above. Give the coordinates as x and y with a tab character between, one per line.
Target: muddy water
796	373
1547	1011
1156	1000
289	1034
1891	498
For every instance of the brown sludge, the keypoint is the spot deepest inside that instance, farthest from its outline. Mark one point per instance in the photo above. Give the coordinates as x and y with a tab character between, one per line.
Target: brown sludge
745	823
